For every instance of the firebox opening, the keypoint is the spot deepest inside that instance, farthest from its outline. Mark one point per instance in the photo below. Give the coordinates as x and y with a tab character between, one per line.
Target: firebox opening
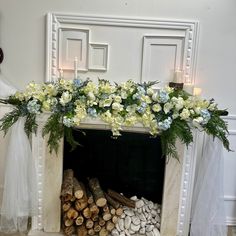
132	164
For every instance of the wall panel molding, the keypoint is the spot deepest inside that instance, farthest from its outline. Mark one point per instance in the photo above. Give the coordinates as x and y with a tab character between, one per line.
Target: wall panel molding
167	29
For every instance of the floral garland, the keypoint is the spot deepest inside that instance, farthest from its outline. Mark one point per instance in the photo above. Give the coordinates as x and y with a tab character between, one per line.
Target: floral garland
167	112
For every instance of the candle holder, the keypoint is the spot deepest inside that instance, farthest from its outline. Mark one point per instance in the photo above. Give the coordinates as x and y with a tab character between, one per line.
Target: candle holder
176	85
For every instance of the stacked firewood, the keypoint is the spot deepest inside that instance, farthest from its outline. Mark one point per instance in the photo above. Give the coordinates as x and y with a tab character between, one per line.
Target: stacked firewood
87	209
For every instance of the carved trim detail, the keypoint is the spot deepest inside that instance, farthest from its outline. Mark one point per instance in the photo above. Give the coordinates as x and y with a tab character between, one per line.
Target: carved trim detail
58	20
188	174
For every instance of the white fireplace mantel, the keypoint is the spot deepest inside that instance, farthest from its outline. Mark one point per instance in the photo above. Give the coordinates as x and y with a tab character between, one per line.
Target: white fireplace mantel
177	194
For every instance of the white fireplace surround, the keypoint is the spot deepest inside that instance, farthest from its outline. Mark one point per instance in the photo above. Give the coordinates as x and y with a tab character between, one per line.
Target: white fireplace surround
177	193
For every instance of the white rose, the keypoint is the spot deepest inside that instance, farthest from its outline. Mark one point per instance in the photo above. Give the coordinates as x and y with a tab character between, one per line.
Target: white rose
65	98
167	107
156	107
117	106
184	115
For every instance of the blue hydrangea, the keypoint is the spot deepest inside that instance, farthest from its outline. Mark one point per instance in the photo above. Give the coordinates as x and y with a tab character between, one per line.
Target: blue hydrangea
68	122
205	114
165	124
142	108
92	112
33	107
78	83
141	91
163	96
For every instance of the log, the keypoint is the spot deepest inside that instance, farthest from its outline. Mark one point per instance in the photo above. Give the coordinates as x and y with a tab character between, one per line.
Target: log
119	211
111	201
66	206
97	192
114	219
91	232
106	216
94	217
67	222
94	208
87	213
103	232
78	190
79	220
80	204
69	230
112	210
101	222
73	199
89	224
97	227
82	231
110	226
121	199
106	208
67	185
89	196
72	213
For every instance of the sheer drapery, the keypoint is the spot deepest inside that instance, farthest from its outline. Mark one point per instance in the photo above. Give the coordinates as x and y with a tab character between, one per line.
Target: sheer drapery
19	192
208	215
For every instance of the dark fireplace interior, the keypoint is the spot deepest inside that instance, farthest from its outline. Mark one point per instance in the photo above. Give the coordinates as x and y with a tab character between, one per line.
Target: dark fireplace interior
131	164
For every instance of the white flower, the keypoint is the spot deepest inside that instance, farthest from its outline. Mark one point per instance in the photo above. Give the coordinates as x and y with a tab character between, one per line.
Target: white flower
150	91
117	106
184	115
167	107
65	98
197	122
156	107
212	106
91	96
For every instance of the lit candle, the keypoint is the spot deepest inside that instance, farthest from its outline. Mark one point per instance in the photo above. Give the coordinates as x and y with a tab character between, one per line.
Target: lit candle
75	67
61	73
178	76
197	91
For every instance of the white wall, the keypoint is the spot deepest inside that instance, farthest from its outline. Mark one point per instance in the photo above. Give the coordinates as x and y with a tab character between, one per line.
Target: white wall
22	37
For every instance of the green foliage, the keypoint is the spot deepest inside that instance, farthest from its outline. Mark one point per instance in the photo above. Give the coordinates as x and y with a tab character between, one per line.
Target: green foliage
217	127
55	131
70	138
9	119
30	124
179	129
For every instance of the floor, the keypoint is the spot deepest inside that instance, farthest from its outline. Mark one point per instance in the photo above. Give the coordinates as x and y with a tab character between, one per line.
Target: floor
231	232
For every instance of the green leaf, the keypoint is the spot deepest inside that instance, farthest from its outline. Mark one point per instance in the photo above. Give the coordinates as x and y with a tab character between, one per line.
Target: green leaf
70	138
30	124
9	119
55	131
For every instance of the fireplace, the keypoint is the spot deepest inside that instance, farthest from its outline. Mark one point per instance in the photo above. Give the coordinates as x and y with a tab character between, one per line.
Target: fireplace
132	163
177	187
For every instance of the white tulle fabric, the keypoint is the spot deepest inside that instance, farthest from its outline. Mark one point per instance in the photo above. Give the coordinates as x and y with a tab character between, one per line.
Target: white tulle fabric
208	212
19	193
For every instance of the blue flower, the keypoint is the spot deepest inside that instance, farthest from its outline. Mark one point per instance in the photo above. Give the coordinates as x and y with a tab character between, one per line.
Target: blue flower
33	107
142	108
205	115
165	124
92	112
68	122
163	96
141	90
78	83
